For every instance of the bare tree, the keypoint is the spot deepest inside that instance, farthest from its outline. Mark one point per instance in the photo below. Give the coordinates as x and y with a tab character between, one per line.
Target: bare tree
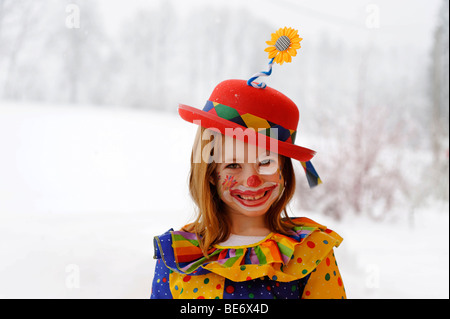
17	20
362	171
439	122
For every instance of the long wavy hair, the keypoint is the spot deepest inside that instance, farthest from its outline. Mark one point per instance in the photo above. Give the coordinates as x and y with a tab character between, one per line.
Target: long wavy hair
212	225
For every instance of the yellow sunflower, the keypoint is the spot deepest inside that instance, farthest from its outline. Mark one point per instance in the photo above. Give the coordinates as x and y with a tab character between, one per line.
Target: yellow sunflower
283	45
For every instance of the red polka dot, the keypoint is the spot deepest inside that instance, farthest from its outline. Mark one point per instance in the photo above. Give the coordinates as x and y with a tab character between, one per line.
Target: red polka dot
200	297
299	260
186	278
229	289
328	231
307	292
164	279
277	284
339	281
218	286
248	278
328	261
311	244
269	288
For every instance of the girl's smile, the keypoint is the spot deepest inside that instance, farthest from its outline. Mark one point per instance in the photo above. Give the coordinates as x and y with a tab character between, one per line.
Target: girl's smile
253	198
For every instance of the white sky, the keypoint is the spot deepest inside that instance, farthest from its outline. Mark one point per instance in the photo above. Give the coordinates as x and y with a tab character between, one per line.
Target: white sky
401	22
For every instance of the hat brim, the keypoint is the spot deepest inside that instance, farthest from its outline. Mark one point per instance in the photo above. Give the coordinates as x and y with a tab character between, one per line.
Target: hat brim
211	121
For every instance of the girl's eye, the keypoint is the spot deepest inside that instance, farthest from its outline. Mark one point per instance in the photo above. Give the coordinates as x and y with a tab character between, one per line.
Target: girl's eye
265	162
232	166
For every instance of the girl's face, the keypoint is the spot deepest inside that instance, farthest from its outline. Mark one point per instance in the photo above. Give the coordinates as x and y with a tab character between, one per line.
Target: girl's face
249	179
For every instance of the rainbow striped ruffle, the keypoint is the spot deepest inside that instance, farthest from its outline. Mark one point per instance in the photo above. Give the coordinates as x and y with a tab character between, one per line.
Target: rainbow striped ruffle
271	257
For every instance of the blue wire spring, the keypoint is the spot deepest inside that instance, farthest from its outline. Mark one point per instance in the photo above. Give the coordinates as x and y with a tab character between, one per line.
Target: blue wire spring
261	85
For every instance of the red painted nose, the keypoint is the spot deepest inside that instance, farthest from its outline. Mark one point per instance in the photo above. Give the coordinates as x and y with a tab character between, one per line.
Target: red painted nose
253	181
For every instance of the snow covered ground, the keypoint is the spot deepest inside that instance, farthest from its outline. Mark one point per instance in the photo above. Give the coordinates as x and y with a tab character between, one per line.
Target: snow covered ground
83	190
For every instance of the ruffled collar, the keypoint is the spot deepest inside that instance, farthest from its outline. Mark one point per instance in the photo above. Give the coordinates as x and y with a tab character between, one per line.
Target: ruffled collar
271	256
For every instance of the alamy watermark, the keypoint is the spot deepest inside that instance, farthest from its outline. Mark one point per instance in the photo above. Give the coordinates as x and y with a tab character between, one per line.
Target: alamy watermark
73	276
372	276
220	147
73	16
373	16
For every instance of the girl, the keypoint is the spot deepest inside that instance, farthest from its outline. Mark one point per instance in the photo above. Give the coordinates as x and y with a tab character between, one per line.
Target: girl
242	244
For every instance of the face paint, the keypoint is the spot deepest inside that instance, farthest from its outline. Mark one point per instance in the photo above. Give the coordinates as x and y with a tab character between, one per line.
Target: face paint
249	187
258	194
268	164
251	199
253	181
228	183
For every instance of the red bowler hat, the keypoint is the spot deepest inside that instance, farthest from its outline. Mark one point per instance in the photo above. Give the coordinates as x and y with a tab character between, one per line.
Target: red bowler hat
239	104
234	104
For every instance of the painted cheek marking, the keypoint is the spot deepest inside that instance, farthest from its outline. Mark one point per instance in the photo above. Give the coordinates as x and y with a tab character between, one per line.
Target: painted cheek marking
228	182
253	181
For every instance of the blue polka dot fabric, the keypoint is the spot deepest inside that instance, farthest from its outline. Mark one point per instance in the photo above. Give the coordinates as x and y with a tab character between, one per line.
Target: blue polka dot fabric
264	288
160	287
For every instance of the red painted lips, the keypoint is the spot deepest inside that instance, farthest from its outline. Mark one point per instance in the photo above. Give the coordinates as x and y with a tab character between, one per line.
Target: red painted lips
252	198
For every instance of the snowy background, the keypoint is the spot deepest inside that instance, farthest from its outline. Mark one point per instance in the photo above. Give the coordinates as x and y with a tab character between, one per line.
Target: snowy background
94	159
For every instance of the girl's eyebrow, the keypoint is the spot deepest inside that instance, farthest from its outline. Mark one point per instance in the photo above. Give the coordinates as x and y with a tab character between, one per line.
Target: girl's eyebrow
228	160
233	160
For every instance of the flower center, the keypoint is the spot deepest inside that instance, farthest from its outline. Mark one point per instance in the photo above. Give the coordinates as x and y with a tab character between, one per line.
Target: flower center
283	43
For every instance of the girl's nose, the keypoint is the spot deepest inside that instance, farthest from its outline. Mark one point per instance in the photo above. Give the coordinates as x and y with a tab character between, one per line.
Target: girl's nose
254	181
